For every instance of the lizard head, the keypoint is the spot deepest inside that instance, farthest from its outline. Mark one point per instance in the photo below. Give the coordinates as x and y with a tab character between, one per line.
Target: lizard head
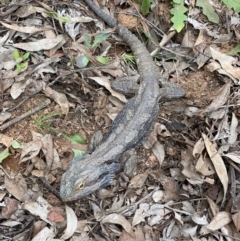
85	177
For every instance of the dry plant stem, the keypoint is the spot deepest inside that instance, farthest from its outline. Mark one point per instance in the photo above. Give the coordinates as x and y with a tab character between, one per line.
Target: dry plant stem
21	117
49	187
225	235
79	70
233	187
234	165
165	39
6	173
24	100
9	11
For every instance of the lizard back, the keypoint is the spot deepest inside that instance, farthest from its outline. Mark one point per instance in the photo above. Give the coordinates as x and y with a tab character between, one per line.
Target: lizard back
96	170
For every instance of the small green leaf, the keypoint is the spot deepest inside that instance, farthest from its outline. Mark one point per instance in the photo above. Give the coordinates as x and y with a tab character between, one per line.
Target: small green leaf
64	19
128	58
18	67
102	60
59	17
17	145
233	4
77	139
82	61
208	10
26	56
145	6
16	54
4	154
235	50
102	36
87	40
179	17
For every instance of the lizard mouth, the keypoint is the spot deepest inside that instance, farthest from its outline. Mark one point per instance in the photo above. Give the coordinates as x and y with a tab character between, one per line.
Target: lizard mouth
69	193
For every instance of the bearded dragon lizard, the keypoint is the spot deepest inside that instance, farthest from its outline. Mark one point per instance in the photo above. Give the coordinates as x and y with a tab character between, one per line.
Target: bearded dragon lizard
96	169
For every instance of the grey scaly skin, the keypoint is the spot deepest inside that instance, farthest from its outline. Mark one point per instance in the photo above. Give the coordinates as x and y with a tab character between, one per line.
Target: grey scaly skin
96	169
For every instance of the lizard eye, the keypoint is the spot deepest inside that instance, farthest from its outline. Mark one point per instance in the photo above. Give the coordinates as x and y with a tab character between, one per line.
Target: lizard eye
79	185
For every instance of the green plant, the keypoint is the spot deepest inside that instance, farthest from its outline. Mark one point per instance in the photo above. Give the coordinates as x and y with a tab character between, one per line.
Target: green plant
42	122
235	50
58	17
20	59
235	4
77	139
128	59
97	39
178	11
4	154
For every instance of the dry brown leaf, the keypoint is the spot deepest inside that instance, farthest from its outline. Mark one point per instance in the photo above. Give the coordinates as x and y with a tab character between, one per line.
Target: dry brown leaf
155	213
201	220
118	219
158	129
4	116
42	44
19	87
139	216
138	181
190	173
220	99
39	208
3	39
126	237
106	83
25	11
22	29
234	156
60	98
159	152
226	62
30	150
11	206
114	69
236	220
216	66
16	186
6	140
218	163
188	232
55	217
220	220
233	130
71	223
47	148
45	234
198	147
157	196
204	166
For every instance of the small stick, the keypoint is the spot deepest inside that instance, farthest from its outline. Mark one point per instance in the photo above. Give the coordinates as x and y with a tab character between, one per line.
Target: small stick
50	188
28	113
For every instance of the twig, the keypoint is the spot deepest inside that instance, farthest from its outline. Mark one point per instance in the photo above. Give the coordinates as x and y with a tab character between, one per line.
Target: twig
79	70
49	187
21	117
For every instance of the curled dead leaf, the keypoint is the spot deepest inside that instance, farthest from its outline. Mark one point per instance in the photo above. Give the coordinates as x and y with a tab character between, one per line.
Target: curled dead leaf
118	219
220	99
218	163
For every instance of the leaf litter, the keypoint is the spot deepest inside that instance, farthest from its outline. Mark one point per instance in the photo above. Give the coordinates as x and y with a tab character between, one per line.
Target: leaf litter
185	185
